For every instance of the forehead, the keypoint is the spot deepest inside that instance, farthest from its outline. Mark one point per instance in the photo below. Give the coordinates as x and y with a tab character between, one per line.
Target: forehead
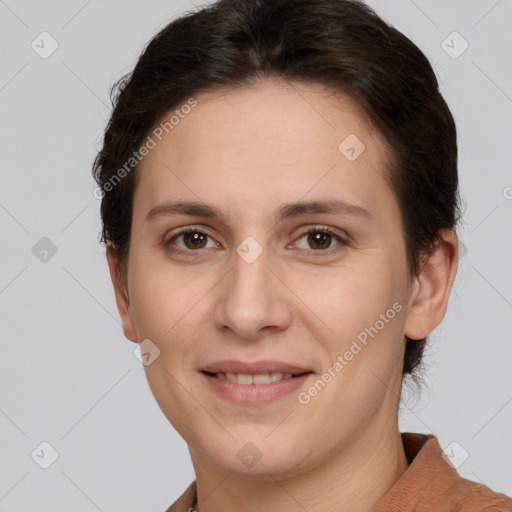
269	142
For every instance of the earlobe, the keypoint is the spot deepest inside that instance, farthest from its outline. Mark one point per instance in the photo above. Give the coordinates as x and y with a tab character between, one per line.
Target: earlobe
122	298
432	287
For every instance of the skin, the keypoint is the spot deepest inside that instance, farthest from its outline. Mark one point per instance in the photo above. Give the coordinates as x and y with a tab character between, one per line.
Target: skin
247	152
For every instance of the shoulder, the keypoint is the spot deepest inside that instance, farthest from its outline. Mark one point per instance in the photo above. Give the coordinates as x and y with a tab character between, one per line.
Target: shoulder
431	482
475	497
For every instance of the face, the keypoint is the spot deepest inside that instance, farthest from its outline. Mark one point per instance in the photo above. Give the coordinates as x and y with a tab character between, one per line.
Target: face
323	290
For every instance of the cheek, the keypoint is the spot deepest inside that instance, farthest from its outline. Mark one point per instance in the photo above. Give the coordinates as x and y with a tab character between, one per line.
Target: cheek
159	297
165	309
168	307
358	315
349	299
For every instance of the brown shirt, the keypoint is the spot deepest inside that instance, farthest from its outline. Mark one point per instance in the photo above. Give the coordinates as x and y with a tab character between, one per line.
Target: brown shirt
430	484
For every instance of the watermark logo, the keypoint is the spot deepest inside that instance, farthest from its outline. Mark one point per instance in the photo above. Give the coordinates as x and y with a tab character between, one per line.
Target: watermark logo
249	455
455	45
44	45
455	454
249	249
146	352
352	147
44	455
44	250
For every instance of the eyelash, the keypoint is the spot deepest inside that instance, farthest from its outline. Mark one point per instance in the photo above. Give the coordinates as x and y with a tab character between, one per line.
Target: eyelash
316	229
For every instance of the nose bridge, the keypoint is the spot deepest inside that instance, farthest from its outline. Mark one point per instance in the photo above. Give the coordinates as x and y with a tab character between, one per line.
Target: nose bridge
250	269
251	298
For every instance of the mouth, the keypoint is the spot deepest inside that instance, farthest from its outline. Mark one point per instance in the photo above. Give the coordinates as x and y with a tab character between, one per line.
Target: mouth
257	379
257	383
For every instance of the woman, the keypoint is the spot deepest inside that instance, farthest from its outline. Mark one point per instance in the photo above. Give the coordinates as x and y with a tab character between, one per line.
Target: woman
280	203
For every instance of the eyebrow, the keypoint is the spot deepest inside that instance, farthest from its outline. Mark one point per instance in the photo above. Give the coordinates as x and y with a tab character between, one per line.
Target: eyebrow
285	211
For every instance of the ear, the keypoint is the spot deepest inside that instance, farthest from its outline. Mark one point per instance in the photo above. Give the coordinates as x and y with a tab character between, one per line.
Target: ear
432	288
122	299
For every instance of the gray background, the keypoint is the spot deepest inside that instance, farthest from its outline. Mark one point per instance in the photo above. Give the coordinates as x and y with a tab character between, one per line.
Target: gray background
67	374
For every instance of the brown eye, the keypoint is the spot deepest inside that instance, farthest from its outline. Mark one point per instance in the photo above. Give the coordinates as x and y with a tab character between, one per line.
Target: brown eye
320	240
192	240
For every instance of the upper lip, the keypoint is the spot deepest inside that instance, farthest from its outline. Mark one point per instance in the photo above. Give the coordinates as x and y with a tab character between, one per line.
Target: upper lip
254	368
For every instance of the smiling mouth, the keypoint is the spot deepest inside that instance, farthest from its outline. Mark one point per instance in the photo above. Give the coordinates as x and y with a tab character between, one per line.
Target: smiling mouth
257	379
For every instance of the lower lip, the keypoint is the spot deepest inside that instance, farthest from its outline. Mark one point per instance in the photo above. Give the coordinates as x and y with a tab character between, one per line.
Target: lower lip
251	394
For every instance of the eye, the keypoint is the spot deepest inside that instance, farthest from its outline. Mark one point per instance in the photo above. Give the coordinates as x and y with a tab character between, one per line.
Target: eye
320	239
193	239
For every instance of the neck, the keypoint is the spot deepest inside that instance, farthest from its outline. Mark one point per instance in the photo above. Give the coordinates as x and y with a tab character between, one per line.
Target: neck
354	478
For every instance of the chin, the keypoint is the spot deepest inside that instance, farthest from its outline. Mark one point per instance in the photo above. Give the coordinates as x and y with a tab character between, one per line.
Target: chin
258	458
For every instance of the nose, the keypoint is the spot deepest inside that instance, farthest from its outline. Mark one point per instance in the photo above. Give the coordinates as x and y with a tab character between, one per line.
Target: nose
253	299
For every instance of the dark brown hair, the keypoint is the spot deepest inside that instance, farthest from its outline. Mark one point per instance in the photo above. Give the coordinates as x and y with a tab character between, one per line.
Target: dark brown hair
341	44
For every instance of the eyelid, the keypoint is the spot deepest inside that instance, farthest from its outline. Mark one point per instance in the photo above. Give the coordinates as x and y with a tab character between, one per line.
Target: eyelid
188	229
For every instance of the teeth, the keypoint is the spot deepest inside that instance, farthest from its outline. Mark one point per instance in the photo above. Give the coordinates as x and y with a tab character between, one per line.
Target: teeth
231	377
262	378
244	379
